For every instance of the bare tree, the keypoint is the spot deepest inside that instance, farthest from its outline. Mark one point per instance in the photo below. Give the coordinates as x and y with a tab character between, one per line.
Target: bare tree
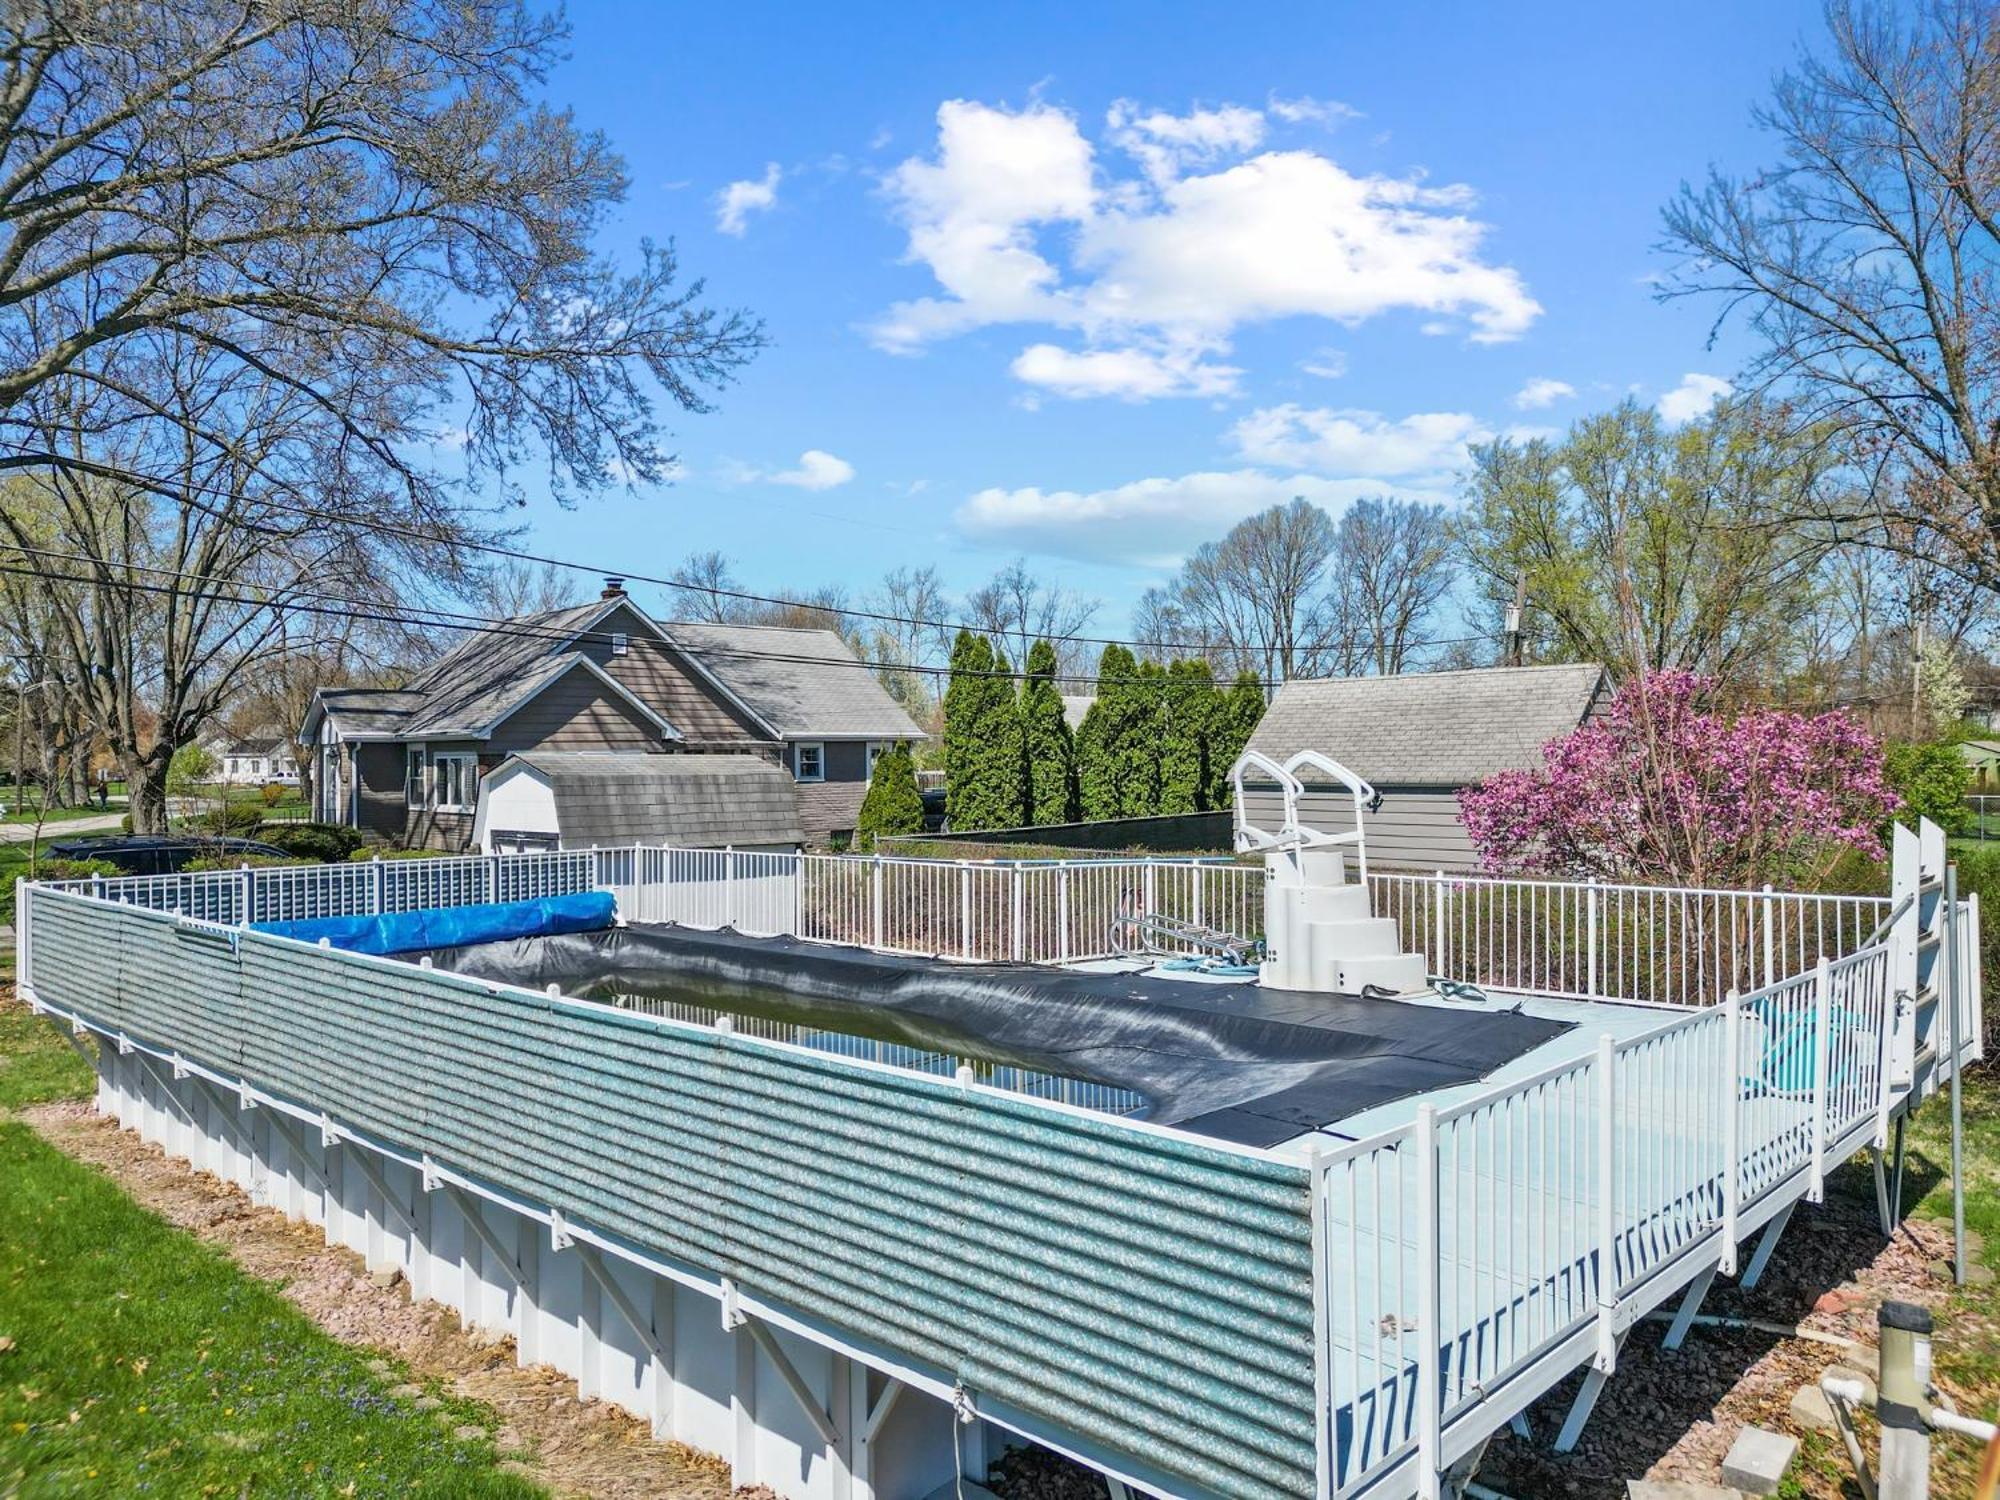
254	263
912	637
1017	608
514	588
1255	598
703	588
1865	260
1394	568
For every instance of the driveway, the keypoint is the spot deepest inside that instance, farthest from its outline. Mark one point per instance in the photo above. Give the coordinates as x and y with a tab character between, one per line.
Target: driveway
55	828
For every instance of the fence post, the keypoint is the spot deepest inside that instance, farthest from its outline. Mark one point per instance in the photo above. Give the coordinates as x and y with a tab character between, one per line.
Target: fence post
1592	899
1607	1204
1770	938
24	937
249	894
1151	887
1732	1153
798	893
1442	957
1014	883
1430	1311
729	886
1822	1066
1062	913
964	910
876	901
375	877
492	878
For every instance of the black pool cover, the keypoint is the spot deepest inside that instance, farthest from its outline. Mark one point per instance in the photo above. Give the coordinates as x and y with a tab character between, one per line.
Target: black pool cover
1235	1061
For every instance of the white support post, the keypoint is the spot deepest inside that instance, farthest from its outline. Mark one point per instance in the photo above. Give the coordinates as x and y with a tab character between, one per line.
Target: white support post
377	903
729	887
966	947
24	936
808	1400
614	1293
1062	914
1691	1301
499	1249
1441	959
492	878
1822	1065
361	1158
876	901
1732	1093
798	894
1770	938
1593	898
1766	1243
1607	1204
1015	880
1430	1312
248	894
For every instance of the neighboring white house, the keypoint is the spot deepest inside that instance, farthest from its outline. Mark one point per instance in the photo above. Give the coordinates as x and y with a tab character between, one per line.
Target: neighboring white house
256	760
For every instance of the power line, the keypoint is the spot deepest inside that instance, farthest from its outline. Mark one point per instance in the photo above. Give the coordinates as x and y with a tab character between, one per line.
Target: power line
716	591
439	617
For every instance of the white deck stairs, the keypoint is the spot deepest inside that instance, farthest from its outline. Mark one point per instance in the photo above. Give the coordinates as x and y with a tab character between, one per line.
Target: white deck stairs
1319	931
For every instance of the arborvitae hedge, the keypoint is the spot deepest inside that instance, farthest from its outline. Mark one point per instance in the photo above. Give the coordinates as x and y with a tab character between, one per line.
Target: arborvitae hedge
1048	753
893	804
1236	714
1189	705
982	738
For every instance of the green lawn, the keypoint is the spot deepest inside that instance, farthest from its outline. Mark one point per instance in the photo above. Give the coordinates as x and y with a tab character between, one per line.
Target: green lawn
55	815
135	1360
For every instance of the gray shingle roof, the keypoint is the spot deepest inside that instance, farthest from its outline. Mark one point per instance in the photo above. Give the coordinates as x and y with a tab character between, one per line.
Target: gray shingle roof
368	710
1075	706
1430	728
489	675
699	800
801	682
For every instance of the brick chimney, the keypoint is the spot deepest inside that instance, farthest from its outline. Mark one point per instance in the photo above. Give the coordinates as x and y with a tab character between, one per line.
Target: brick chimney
614	587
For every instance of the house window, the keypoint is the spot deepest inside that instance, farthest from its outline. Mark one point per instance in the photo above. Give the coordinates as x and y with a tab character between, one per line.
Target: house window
413	776
876	750
809	762
456	778
620	643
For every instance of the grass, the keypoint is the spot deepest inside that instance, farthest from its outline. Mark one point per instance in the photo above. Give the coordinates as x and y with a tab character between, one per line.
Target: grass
135	1360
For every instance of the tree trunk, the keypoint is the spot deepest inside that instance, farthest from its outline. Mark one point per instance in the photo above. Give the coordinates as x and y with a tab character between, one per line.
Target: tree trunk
146	790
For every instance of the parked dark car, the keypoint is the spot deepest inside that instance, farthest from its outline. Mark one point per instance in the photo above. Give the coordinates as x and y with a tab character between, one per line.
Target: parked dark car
154	853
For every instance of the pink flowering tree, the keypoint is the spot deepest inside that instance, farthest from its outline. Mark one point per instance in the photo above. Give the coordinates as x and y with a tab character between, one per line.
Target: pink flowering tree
1663	787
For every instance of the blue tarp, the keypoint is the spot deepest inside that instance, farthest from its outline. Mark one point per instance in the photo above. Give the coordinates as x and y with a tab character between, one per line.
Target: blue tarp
452	926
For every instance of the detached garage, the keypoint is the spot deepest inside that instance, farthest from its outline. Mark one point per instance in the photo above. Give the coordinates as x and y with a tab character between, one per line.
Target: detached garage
582	799
1417	739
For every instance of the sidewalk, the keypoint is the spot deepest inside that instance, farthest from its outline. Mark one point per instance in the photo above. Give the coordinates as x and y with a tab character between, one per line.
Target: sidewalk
55	828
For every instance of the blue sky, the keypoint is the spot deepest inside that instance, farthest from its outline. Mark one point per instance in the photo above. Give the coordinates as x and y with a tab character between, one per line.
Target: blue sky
1087	285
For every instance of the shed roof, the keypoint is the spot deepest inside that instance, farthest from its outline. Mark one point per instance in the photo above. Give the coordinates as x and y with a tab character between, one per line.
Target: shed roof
699	800
1442	729
803	683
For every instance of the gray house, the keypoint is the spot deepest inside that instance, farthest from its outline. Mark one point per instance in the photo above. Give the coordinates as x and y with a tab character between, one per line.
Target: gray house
1417	739
581	799
406	763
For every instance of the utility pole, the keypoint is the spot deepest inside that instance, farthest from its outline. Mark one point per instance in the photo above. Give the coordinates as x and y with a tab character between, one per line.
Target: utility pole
1514	645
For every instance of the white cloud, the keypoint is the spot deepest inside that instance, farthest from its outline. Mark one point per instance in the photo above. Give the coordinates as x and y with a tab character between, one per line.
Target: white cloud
1326	364
1693	396
1132	374
1542	391
816	470
735	203
1020	222
1427	446
1306	110
1150	522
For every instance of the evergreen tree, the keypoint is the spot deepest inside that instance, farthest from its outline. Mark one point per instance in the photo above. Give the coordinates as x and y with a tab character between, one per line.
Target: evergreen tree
982	738
1236	714
1144	738
893	804
1048	754
1101	759
1186	775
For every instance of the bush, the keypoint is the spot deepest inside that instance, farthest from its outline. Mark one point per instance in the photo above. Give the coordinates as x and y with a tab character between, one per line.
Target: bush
233	818
362	856
1933	780
327	843
238	861
76	869
893	804
273	794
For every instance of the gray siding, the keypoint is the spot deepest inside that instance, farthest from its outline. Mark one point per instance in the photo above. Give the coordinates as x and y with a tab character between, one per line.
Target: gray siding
379	773
426	827
833	806
1417	828
665	682
576	712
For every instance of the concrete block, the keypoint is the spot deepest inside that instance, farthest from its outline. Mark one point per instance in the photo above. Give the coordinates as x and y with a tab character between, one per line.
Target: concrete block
1758	1460
1811	1410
